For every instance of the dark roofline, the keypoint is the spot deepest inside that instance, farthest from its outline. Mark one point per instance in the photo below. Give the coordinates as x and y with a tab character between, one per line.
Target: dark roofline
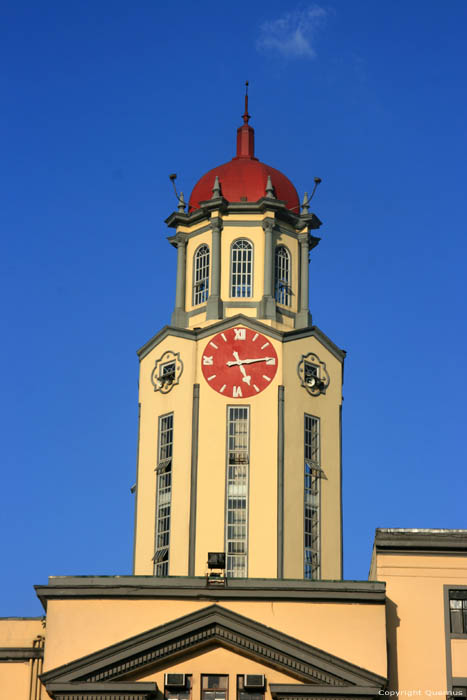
420	540
196	588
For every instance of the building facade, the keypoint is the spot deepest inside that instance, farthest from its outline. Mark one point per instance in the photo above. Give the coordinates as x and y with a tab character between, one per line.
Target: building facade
237	590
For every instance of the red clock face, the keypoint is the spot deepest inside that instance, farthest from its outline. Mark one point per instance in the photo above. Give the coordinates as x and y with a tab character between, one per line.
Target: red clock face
239	363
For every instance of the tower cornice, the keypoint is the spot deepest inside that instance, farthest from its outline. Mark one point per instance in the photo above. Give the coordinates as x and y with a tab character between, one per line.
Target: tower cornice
309	221
196	334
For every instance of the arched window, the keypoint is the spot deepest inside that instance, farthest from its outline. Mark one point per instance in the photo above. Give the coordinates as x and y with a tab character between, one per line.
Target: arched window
282	276
201	275
241	276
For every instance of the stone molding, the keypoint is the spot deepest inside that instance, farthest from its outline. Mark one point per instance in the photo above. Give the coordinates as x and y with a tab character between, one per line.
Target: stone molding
218	626
282	336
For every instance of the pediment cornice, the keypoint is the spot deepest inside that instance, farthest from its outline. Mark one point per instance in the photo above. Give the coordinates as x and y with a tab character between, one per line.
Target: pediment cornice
206	628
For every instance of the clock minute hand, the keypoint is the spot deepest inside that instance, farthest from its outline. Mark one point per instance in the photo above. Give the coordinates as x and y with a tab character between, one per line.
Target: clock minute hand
249	361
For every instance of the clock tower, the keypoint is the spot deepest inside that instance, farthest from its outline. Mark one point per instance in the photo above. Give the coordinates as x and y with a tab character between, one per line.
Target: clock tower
239	448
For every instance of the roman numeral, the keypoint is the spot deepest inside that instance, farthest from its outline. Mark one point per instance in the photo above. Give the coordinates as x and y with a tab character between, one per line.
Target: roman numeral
207	360
240	333
237	391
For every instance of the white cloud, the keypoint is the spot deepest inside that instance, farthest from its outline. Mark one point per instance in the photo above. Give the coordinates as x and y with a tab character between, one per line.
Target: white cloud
292	34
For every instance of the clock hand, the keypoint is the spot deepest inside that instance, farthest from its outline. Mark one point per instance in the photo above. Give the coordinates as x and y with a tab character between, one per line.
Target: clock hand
249	361
245	378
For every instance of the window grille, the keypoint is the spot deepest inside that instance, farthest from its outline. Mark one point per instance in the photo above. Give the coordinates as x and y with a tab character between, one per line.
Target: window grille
282	276
312	477
237	491
201	275
163	495
241	269
214	687
458	611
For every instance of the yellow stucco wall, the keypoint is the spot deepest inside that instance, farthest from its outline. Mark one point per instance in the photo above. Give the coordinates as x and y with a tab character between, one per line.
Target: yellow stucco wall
211	477
20	632
416	616
459	658
79	627
18	679
15	680
154	404
325	407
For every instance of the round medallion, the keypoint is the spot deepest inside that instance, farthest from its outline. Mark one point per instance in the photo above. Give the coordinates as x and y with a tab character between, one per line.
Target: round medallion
239	363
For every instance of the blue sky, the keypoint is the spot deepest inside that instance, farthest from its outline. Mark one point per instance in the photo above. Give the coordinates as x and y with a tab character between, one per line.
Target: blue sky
100	102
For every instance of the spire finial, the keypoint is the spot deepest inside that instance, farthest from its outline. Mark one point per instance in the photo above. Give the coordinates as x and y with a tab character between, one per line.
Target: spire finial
245	134
181	203
216	190
270	189
246	116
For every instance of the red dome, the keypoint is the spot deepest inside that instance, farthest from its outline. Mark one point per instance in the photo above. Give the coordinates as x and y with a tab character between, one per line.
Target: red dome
245	179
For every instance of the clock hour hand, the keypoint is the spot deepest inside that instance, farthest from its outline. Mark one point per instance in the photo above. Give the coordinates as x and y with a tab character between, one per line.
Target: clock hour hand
245	377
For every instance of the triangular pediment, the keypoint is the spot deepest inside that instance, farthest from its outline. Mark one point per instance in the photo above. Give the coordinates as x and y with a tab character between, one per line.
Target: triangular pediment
207	628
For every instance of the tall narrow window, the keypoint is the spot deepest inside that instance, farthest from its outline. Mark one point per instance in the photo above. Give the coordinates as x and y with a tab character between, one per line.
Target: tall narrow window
241	278
163	495
312	478
201	275
237	491
282	275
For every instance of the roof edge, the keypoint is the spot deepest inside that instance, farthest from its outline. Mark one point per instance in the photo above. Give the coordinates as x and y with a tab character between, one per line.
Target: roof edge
189	588
429	540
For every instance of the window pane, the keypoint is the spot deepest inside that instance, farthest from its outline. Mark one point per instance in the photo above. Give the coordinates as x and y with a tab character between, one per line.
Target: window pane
201	275
237	491
163	496
241	281
282	276
312	472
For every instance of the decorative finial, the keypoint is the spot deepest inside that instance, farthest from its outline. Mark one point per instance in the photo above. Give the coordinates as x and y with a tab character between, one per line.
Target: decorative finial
305	204
246	116
270	189
216	190
181	204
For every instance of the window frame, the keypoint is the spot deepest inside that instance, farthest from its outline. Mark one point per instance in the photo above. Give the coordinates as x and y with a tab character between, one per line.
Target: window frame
457	593
206	279
176	694
283	296
249	694
219	689
163	470
315	575
249	286
233	407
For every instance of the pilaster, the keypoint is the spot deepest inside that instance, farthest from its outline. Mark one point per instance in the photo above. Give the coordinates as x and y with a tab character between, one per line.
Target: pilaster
303	317
267	307
214	309
179	316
